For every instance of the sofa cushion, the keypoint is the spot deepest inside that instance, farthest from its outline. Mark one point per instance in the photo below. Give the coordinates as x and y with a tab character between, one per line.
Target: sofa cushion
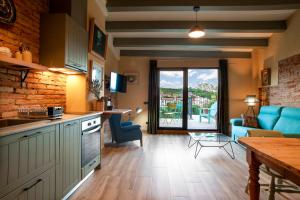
268	116
289	122
240	131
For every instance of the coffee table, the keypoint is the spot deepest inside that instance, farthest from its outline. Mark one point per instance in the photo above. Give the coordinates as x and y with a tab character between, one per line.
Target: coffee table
218	140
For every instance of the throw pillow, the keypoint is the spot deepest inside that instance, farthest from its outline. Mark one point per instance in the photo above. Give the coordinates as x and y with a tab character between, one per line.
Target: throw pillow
249	121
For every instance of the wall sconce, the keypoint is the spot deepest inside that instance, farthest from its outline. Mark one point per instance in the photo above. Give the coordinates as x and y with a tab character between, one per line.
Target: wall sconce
138	110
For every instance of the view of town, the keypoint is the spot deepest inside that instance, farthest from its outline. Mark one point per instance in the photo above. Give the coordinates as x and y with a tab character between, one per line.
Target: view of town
201	101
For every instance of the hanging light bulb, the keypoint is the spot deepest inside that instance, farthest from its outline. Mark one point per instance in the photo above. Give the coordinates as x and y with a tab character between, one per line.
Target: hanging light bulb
196	31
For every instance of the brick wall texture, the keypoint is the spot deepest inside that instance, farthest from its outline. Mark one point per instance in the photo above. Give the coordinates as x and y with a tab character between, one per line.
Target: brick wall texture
287	93
40	88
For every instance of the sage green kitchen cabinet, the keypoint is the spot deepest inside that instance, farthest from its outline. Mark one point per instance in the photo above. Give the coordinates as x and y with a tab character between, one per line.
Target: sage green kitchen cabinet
69	168
41	187
25	156
64	43
77	48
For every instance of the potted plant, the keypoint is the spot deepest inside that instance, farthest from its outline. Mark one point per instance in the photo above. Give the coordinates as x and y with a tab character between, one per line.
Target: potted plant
95	88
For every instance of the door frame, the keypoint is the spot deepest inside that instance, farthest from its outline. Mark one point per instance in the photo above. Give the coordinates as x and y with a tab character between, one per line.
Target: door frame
184	97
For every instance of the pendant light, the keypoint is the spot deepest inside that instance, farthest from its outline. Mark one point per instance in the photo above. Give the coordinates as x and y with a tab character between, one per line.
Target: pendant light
196	31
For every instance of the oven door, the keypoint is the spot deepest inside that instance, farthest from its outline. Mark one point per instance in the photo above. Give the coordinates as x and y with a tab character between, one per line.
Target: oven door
90	144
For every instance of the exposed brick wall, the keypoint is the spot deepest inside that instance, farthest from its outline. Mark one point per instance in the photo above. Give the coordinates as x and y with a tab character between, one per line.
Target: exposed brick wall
287	93
40	88
26	28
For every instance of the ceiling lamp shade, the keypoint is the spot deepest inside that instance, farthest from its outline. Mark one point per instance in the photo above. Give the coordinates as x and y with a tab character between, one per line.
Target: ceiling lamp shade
196	31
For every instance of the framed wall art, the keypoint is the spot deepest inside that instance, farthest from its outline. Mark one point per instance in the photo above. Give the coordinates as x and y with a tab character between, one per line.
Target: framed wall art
97	41
7	12
266	77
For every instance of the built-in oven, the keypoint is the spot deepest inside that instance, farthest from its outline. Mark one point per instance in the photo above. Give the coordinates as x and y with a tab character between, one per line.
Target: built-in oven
90	145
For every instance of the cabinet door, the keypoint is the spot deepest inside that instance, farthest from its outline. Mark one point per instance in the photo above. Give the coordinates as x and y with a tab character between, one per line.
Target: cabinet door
24	156
40	188
79	11
77	45
70	151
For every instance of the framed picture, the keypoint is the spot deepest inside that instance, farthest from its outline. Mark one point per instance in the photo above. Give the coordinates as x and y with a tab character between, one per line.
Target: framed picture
266	77
97	41
96	71
132	78
7	12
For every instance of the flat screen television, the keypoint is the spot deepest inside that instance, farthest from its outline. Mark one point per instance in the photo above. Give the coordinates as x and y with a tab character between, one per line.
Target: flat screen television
118	83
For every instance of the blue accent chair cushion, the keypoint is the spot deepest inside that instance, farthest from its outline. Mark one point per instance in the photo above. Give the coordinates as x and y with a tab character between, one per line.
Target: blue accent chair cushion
124	131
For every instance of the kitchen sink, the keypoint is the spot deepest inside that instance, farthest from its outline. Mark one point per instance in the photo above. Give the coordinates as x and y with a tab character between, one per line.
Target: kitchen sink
13	122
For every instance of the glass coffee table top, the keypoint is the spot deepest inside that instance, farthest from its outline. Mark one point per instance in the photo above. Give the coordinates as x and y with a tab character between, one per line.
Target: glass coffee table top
213	137
203	139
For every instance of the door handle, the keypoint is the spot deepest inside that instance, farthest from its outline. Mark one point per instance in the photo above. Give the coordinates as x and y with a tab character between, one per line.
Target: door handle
91	131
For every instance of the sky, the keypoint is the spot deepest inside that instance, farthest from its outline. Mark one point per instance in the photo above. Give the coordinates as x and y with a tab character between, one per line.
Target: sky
174	79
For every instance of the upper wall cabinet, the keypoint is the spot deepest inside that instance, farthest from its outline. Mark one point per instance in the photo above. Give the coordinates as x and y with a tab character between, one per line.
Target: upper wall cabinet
64	43
77	9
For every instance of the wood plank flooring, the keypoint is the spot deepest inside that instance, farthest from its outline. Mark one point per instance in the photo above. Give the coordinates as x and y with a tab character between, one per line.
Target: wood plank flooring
165	169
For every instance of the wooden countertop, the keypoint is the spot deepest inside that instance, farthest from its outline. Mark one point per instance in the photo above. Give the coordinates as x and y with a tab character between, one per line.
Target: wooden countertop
117	111
39	124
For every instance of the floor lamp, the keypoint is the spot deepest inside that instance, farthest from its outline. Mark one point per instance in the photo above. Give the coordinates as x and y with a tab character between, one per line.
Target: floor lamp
251	101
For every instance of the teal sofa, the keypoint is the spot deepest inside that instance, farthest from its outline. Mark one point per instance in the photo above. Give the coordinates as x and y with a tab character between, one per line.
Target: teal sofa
277	118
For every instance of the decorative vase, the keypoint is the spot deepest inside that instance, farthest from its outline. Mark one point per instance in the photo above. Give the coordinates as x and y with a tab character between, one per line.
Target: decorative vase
27	56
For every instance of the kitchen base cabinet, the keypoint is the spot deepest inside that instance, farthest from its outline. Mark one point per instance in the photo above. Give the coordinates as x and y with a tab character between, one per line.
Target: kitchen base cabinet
69	171
39	188
24	156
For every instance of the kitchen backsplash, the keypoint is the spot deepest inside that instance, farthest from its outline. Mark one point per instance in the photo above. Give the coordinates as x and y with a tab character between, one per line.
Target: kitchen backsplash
40	88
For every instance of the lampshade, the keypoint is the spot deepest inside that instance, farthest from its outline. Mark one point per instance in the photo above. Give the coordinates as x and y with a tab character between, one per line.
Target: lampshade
196	32
251	100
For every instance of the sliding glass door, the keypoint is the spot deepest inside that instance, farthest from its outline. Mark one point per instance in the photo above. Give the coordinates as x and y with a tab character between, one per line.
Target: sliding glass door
171	98
188	99
202	99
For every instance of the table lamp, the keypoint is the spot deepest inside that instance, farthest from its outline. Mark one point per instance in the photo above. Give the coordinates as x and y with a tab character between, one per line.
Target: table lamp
251	101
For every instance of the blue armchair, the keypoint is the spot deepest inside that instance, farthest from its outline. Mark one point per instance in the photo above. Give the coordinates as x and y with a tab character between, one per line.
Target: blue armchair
124	131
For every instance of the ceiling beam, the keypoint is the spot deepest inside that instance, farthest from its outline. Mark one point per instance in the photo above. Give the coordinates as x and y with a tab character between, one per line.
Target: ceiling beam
187	5
160	42
196	54
183	26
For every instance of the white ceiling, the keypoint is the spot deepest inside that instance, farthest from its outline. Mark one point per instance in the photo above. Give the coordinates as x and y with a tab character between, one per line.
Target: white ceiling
261	15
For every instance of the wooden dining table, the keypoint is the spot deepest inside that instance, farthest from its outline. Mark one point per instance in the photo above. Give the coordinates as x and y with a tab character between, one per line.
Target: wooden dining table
279	154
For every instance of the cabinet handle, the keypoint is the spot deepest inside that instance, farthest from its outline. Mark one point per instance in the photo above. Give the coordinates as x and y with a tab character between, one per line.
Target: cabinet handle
27	136
92	163
28	188
70	124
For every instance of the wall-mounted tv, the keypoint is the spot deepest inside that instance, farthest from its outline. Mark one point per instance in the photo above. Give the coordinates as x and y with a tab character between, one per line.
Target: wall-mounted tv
118	83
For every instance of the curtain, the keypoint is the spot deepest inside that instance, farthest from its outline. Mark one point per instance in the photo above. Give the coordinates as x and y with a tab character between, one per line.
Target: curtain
223	99
153	101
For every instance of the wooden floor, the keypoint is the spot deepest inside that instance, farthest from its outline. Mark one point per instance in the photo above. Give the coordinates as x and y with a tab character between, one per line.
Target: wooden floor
165	169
